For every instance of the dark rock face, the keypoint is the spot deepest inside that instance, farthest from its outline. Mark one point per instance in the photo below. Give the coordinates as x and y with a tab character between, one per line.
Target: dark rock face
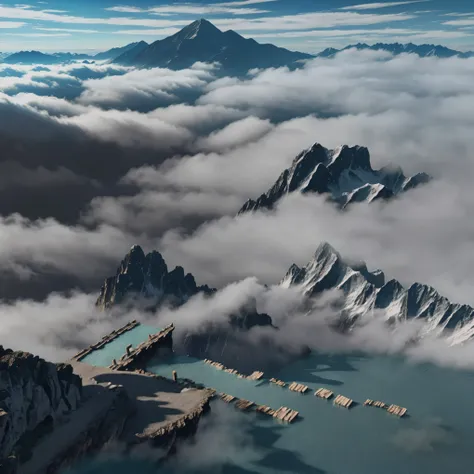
9	465
105	429
148	276
33	393
365	292
202	41
129	49
344	174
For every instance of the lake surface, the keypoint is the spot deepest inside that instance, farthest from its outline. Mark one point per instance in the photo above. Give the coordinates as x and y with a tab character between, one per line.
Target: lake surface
437	437
116	348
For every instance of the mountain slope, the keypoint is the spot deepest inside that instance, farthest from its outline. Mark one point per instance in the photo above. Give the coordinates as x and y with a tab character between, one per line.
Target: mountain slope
422	50
365	292
113	53
31	57
202	41
345	174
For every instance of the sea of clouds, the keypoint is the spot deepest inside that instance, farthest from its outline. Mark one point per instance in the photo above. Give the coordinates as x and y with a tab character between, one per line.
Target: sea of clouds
97	157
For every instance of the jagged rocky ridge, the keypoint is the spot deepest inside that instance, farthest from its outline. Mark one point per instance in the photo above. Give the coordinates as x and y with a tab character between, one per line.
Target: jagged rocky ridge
147	276
33	394
344	174
366	293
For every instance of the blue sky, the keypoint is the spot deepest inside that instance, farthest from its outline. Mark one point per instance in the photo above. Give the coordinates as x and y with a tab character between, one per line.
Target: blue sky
306	25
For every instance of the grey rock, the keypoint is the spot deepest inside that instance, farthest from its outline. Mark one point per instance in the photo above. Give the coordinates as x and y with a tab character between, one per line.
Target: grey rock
32	391
344	175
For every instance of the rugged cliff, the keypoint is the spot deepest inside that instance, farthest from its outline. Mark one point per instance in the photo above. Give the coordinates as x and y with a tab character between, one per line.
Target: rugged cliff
33	394
147	276
344	175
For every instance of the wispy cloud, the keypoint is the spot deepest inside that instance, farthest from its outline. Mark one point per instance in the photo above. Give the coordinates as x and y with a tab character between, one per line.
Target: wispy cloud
155	32
191	9
366	35
286	22
336	33
375	6
42	15
188	7
463	22
459	14
242	3
126	9
11	24
66	30
38	35
309	21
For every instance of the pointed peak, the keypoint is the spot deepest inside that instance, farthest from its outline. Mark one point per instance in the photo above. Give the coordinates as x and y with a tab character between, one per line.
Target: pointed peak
136	252
316	146
316	149
201	26
134	256
324	250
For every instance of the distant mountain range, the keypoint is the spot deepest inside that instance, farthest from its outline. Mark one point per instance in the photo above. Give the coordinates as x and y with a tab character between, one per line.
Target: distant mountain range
422	50
199	41
344	174
202	41
366	292
37	57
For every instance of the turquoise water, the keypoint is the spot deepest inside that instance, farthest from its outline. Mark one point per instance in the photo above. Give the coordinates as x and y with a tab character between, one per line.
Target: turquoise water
116	349
437	437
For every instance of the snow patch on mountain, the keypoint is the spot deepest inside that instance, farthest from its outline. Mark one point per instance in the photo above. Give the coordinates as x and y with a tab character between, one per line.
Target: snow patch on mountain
345	174
367	294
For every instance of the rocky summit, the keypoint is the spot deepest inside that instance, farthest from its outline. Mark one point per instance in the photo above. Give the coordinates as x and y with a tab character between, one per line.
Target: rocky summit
365	293
147	276
33	394
344	174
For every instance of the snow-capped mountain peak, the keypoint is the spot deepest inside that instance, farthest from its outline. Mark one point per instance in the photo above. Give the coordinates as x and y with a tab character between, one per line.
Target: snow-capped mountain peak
199	28
345	174
367	293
